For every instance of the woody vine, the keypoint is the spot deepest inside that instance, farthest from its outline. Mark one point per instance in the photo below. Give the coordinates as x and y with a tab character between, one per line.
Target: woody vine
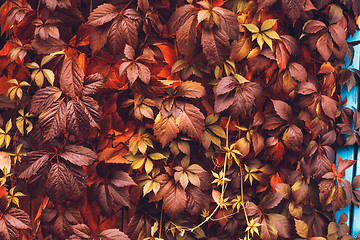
178	119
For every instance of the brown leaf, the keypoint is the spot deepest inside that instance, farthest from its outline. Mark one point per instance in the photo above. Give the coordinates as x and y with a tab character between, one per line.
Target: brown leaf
98	37
293	137
268	231
191	121
50	45
12	221
338	34
290	43
44	98
174	200
272	200
313	26
34	160
282	109
113	234
102	14
281	224
93	83
53	120
298	72
143	5
166	130
229	22
65	182
265	3
258	142
329	106
190	89
244	98
139	226
77	121
240	49
81	231
215	45
325	46
180	16
306	88
78	155
71	78
282	56
186	37
293	8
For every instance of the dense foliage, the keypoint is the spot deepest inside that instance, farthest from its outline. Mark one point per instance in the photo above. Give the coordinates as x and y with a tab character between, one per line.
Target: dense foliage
164	119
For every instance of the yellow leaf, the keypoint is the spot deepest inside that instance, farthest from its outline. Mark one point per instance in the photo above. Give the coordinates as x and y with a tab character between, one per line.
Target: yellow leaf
260	41
268	41
49	75
252	28
7	141
32	65
8	126
267	24
148	166
39	78
272	34
203	15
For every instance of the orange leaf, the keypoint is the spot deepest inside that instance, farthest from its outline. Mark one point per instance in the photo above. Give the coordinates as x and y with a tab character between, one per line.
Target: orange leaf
3	191
218	3
43	205
4	85
276	178
169	53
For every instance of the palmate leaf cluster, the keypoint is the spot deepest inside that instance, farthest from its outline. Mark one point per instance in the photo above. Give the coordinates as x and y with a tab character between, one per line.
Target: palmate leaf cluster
165	119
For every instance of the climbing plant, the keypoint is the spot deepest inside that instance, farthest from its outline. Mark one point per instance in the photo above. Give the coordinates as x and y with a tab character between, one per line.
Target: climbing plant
164	119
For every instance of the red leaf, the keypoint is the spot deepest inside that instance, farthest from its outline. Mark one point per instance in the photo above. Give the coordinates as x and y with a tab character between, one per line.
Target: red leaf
174	200
113	234
325	46
44	98
53	120
338	34
186	37
180	16
78	155
65	183
281	224
329	106
282	109
102	14
191	121
306	88
166	130
293	8
190	89
298	72
71	78
215	45
293	137
282	56
313	26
